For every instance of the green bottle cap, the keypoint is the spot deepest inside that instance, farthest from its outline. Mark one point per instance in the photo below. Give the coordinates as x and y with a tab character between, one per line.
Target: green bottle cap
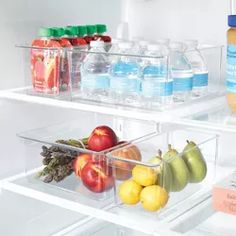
101	29
82	31
58	32
91	29
44	32
71	30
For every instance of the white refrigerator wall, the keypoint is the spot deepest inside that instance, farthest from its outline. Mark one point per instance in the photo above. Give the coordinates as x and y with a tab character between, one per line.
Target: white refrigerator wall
19	21
205	20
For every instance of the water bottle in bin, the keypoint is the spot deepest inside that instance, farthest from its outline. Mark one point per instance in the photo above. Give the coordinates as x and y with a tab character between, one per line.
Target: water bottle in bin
95	73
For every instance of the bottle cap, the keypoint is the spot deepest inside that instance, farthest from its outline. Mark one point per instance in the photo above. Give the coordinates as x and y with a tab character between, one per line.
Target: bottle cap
91	29
154	47
71	30
190	44
176	46
96	44
232	20
58	32
116	40
143	43
125	45
82	30
163	41
45	32
101	28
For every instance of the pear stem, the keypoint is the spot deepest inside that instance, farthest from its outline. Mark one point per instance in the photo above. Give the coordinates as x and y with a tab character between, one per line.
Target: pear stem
159	153
169	147
187	141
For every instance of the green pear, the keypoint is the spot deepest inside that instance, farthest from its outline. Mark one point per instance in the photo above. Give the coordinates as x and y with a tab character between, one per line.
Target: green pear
195	162
164	172
178	168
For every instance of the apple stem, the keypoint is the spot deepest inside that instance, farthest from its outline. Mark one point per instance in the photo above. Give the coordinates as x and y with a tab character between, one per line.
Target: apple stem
187	141
169	147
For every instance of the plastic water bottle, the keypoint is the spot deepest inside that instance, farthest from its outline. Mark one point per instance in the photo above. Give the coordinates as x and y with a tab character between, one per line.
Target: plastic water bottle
114	49
125	79
200	77
164	46
157	86
181	72
95	73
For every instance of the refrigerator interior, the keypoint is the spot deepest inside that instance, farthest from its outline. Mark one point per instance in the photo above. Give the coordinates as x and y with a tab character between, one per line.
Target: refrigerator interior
148	19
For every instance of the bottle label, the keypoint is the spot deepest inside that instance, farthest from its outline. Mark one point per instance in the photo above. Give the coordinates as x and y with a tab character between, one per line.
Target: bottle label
125	85
183	84
151	88
200	79
95	81
231	68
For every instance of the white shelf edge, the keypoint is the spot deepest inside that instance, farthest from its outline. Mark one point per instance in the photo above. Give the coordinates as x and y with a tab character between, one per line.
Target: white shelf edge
168	116
102	214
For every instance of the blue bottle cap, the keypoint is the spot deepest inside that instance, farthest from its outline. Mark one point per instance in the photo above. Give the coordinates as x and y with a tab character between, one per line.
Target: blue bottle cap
232	20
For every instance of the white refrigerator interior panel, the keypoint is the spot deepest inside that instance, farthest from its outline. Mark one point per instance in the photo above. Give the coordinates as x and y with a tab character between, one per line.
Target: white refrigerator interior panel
177	20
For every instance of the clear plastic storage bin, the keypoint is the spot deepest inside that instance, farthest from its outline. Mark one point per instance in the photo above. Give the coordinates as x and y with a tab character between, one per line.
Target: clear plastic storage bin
181	192
118	165
63	76
52	165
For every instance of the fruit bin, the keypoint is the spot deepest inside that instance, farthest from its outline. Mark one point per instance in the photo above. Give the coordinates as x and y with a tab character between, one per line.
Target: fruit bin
67	77
171	175
125	129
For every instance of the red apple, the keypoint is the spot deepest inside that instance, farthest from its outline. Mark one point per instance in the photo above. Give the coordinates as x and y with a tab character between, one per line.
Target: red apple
102	137
97	176
80	161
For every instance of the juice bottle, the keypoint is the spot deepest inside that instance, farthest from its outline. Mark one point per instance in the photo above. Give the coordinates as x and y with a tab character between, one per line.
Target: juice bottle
75	35
91	30
231	63
101	30
45	63
64	80
72	34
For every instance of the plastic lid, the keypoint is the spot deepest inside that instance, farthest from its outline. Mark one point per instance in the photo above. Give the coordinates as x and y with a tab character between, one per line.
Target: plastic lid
101	28
154	47
125	45
232	20
176	46
96	44
71	30
58	32
116	40
91	29
82	31
191	43
45	32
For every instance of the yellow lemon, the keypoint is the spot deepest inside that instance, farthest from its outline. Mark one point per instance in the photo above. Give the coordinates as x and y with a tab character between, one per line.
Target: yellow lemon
144	175
153	198
129	192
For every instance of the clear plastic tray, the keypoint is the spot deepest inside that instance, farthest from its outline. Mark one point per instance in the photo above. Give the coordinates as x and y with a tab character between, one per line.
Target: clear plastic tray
178	199
39	140
147	143
67	77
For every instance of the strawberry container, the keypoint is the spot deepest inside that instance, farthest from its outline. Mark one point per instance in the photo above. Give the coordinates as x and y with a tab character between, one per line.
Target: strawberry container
52	152
184	178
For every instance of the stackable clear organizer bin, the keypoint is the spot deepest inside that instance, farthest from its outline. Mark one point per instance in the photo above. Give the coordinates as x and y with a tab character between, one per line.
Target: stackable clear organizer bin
68	76
125	129
132	131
